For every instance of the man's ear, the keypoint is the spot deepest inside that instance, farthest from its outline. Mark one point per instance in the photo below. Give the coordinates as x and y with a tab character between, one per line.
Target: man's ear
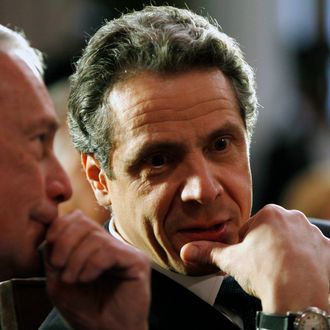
97	179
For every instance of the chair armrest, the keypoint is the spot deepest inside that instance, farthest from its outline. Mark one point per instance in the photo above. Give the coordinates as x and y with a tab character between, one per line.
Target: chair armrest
324	225
24	303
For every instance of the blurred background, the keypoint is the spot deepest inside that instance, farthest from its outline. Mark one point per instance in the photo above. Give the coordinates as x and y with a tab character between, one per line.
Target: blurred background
287	42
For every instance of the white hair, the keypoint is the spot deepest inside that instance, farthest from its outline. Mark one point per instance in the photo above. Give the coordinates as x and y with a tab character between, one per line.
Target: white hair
16	42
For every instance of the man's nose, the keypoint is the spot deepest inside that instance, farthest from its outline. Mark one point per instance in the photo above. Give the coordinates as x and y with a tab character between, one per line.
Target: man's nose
58	184
202	184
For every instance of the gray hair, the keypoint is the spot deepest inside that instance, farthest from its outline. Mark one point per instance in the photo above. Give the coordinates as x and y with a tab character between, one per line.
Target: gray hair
160	39
15	41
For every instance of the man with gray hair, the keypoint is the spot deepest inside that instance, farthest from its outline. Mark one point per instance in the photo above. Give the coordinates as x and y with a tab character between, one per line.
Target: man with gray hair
162	110
89	274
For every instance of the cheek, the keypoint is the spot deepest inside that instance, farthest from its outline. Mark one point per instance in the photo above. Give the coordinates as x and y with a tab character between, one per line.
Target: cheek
32	185
22	189
26	171
19	236
169	215
148	200
242	184
144	212
162	201
22	186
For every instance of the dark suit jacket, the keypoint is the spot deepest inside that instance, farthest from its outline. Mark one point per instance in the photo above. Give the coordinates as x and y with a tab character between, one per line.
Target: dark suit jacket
174	307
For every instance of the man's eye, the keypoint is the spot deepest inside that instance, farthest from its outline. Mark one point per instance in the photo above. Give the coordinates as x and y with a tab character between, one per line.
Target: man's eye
41	137
157	160
220	143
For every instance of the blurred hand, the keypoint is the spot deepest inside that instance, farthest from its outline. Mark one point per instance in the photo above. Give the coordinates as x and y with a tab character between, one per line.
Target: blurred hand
281	259
94	280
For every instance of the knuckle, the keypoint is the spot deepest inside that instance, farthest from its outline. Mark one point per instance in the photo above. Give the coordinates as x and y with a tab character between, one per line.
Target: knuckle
272	211
144	261
298	214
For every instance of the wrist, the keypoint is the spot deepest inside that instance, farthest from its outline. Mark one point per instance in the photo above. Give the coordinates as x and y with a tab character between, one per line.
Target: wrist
281	301
310	318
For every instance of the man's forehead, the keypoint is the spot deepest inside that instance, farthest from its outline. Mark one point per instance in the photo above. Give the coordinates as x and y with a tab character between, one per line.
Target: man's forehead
146	89
150	97
12	58
13	66
22	92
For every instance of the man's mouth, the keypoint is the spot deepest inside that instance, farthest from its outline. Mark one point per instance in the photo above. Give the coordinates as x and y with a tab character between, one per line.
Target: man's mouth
44	215
39	225
216	233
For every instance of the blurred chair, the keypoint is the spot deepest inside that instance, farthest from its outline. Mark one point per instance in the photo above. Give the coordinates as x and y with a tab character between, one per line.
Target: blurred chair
323	225
24	304
309	191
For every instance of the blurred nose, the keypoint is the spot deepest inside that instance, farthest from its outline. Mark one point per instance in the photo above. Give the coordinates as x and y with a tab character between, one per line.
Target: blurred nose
201	184
58	184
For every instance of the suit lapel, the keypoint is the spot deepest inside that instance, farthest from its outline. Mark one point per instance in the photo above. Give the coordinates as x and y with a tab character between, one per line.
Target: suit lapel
232	297
175	307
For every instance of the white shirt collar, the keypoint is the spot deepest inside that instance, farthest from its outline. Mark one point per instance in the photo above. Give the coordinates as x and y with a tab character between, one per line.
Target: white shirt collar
205	287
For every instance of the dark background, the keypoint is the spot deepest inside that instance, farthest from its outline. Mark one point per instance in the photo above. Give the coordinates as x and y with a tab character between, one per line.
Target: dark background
286	41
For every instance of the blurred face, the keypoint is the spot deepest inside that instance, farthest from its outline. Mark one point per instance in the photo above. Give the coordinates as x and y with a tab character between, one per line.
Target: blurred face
32	181
180	164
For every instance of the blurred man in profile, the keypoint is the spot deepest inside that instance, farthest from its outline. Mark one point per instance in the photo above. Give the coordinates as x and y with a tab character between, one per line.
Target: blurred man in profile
89	274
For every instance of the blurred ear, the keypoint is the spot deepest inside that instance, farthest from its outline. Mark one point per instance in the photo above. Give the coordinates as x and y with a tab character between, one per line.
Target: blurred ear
96	178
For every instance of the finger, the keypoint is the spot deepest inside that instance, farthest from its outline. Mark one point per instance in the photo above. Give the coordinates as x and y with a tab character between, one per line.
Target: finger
74	219
52	277
86	252
67	237
122	261
59	225
99	252
205	253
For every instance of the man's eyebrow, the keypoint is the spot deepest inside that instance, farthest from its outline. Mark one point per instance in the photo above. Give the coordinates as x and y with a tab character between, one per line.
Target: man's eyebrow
45	123
228	128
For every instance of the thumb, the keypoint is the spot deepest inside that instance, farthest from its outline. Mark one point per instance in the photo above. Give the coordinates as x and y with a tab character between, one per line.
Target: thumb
52	274
205	253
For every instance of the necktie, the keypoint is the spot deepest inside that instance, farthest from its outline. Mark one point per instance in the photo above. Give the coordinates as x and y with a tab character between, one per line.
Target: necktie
232	297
